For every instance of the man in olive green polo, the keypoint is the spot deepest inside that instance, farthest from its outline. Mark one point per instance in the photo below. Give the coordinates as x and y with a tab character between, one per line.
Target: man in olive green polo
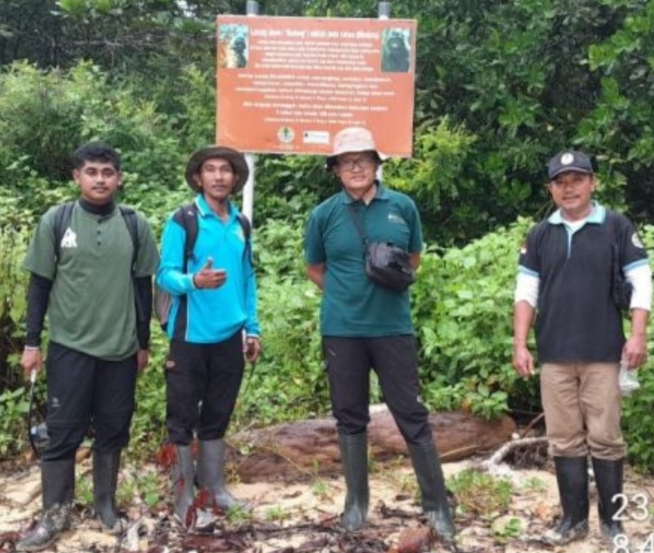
366	326
91	263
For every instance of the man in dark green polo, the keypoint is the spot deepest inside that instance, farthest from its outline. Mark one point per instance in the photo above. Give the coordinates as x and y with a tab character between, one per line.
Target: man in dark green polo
366	326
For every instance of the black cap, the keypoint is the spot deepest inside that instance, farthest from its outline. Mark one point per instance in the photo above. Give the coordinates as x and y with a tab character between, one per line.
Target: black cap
569	160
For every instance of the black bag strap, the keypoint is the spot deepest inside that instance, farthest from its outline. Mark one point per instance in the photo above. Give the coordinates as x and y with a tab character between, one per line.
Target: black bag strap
357	223
129	216
187	217
62	219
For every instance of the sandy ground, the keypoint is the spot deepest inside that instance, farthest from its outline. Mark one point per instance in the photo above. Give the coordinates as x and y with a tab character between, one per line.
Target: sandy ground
303	516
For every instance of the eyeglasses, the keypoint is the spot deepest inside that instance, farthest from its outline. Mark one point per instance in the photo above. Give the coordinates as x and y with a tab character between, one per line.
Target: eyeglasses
350	164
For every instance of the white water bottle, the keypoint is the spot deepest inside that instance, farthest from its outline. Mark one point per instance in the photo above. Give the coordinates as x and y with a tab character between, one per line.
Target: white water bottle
627	379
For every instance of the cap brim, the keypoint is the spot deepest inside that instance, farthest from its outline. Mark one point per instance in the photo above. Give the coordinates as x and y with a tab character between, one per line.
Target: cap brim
556	173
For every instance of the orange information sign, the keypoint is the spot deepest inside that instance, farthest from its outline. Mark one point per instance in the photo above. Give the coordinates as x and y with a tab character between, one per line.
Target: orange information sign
288	84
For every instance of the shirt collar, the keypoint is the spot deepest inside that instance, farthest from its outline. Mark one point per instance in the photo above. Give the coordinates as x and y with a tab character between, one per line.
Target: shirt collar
596	216
205	211
381	194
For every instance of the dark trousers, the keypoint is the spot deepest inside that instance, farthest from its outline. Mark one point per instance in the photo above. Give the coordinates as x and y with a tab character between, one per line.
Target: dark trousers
394	358
82	390
202	384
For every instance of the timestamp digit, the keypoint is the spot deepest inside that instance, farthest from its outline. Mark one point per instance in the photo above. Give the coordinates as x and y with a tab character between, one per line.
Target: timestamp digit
621	544
648	544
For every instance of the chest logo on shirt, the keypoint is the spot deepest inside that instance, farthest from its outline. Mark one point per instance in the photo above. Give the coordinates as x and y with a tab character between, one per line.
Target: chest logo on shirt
395	218
69	239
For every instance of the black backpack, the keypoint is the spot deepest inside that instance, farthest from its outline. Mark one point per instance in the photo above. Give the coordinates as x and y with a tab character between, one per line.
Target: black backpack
187	217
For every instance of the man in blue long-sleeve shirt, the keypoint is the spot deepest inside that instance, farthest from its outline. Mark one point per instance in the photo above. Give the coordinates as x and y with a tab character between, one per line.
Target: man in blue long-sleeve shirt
214	306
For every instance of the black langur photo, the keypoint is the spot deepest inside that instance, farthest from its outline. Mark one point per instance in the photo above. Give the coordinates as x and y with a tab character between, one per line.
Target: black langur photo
396	56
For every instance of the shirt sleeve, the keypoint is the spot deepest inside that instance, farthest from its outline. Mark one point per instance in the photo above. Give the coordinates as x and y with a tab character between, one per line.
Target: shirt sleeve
632	249
415	240
314	248
40	259
529	260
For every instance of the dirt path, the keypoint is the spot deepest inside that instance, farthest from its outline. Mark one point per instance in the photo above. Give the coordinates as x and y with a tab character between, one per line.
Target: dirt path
303	517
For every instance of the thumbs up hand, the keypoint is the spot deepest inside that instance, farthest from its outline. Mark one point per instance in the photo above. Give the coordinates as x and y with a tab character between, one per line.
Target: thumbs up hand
208	277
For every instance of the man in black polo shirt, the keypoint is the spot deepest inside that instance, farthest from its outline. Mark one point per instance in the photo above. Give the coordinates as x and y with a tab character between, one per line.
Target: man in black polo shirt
566	276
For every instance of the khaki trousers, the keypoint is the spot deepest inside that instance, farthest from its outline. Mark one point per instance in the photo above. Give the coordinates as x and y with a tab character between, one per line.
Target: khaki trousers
582	404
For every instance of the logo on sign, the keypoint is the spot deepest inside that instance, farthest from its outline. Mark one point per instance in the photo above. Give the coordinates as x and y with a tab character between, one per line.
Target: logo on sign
286	135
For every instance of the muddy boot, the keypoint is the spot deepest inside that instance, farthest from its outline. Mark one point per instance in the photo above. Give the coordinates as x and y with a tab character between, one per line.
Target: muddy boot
211	475
58	481
572	480
429	474
183	477
354	456
105	479
608	479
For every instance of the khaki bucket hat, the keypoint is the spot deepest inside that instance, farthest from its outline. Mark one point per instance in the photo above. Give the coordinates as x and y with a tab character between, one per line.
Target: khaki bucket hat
352	140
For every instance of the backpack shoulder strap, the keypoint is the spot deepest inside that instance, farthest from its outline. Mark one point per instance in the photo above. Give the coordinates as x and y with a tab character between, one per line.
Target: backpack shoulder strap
129	216
247	232
187	217
63	215
245	225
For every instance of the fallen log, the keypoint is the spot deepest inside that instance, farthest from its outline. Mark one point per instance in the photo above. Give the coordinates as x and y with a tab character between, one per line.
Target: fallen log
310	447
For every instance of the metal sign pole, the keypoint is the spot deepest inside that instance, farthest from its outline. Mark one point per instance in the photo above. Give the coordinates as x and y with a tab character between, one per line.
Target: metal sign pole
383	12
252	10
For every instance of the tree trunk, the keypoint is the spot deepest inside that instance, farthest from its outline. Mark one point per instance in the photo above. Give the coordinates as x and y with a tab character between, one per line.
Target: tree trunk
310	447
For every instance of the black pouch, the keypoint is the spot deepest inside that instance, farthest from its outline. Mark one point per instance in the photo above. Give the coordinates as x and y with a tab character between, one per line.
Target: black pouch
621	288
389	266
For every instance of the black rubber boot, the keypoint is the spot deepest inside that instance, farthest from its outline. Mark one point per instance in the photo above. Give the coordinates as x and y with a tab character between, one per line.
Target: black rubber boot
429	474
572	480
58	481
105	480
183	477
608	479
211	475
354	456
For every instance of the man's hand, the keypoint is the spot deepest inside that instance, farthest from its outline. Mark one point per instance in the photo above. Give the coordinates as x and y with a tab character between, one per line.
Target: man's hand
252	348
634	352
208	277
523	361
31	360
142	359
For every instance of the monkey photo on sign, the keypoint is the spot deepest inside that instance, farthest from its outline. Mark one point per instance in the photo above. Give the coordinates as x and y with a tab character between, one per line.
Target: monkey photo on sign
238	52
396	57
233	46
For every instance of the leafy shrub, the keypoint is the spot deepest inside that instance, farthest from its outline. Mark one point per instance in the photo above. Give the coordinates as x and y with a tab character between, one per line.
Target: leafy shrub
462	305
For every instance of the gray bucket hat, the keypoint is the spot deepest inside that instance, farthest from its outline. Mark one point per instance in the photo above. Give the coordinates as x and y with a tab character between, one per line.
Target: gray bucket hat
235	158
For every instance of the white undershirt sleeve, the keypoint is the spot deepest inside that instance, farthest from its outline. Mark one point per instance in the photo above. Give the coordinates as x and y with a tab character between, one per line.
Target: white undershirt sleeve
526	289
640	278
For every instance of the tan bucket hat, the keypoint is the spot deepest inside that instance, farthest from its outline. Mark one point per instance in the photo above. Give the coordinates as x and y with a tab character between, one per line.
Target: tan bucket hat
235	158
351	140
